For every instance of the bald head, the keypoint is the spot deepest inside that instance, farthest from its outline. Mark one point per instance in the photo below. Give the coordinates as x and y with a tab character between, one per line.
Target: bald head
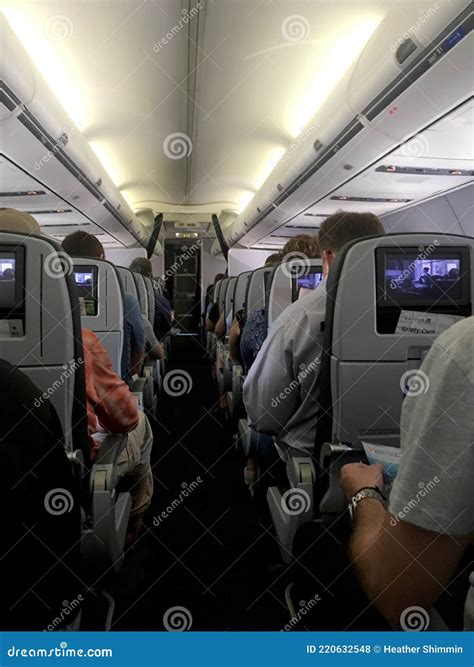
12	220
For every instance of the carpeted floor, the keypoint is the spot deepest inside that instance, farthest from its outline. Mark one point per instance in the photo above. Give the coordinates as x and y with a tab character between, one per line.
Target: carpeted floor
212	553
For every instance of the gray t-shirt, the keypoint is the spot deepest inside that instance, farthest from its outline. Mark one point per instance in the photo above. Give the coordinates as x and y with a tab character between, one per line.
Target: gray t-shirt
434	486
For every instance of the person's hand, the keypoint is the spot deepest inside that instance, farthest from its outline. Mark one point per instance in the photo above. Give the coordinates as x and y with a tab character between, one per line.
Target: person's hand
354	476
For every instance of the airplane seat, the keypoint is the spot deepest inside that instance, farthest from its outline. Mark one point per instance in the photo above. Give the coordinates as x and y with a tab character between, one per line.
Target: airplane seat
229	318
221	342
153	368
40	333
235	396
381	318
144	385
254	300
211	337
41	510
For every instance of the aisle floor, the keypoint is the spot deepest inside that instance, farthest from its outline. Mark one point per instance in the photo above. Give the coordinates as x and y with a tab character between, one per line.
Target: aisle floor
213	554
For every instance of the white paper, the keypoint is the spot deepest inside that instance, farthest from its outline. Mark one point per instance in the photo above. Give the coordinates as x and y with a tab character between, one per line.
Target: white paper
430	324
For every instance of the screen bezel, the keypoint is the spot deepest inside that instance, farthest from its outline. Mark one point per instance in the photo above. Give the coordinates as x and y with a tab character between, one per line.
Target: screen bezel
295	288
385	302
17	310
88	268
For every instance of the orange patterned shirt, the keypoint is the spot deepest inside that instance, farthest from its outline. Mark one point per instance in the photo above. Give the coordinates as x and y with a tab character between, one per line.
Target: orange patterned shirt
110	402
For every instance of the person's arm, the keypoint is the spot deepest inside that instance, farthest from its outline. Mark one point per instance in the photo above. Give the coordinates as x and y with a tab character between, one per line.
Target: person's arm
137	337
153	346
219	329
234	342
405	556
270	394
111	399
399	565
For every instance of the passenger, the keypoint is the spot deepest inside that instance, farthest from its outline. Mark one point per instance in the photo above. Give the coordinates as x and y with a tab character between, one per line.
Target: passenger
110	404
405	555
282	387
253	336
12	220
153	348
82	244
163	322
111	407
212	308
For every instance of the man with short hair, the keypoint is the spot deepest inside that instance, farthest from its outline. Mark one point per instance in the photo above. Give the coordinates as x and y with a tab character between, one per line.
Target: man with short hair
82	244
282	387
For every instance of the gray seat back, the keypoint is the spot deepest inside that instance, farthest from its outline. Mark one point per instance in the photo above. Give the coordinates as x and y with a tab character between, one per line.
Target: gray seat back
286	281
150	292
372	346
128	281
141	293
40	328
229	299
222	295
256	289
241	289
103	309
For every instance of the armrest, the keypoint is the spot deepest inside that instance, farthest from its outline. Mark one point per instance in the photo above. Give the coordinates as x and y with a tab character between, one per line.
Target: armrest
111	448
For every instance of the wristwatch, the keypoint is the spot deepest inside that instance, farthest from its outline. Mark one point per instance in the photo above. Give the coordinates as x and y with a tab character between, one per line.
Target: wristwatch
365	492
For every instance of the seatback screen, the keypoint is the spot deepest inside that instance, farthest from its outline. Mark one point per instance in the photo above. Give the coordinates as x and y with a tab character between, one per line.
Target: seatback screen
410	277
12	290
87	289
7	280
309	281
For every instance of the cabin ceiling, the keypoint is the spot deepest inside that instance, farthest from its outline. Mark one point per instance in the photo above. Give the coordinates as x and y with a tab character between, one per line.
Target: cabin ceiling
189	105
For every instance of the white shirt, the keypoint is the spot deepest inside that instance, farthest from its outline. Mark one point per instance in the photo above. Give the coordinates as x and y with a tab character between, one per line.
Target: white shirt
282	388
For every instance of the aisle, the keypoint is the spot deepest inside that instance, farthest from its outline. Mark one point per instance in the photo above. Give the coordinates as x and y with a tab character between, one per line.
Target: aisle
204	549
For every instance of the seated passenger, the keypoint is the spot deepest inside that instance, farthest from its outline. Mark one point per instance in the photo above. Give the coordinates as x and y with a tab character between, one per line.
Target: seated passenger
111	407
82	244
280	399
405	555
153	348
163	318
254	333
110	404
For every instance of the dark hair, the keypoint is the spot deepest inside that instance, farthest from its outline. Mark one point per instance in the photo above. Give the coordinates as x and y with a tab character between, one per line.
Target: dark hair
302	244
218	276
344	226
273	260
82	244
142	265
